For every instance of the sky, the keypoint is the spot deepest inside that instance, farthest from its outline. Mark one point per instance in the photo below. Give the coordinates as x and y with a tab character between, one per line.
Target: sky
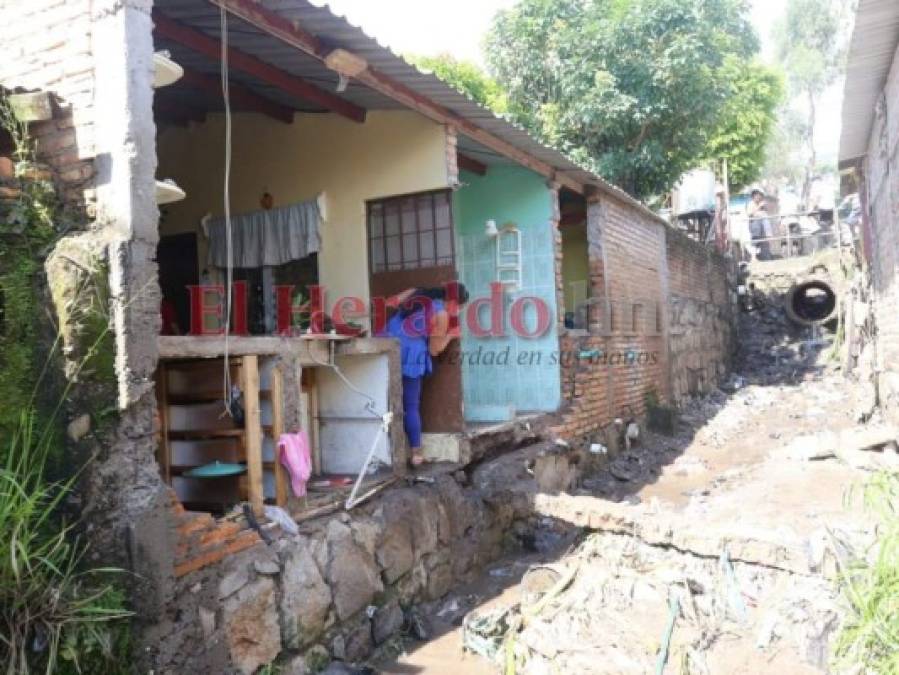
458	27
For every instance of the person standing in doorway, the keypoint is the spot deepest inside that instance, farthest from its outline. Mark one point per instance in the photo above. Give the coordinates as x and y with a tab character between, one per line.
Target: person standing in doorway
421	322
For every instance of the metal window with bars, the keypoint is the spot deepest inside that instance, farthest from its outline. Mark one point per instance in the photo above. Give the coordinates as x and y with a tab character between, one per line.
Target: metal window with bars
410	232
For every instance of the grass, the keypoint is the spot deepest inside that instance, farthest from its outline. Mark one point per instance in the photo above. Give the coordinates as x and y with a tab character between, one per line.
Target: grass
54	616
870	636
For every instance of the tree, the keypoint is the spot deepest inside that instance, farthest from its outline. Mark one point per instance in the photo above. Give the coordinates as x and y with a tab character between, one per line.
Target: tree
810	47
632	89
747	120
465	76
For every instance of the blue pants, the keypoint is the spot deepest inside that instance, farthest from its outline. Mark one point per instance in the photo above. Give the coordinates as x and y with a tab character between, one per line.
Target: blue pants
412	410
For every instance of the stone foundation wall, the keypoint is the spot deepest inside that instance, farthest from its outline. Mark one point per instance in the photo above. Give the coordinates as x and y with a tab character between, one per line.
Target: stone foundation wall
336	590
701	336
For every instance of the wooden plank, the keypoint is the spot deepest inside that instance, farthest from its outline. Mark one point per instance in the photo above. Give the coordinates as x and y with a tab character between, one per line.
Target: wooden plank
165	448
250	389
314	444
238	94
292	84
281	493
294	35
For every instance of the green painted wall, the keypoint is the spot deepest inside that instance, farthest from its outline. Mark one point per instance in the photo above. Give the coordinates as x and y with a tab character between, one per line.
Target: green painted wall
505	375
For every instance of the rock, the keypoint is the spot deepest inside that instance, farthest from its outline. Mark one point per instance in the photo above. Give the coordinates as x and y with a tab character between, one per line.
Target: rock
266	567
352	572
251	626
366	532
440	581
305	598
79	427
387	621
357	643
296	666
234	580
394	551
810	447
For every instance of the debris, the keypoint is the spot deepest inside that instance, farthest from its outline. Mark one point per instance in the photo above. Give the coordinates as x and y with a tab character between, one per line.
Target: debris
673	610
285	522
485	633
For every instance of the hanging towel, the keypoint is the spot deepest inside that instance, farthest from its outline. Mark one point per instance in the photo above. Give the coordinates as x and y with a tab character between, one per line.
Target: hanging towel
267	238
293	453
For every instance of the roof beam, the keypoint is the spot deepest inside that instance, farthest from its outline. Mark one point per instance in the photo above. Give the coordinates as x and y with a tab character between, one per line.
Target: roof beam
471	164
240	95
290	33
239	60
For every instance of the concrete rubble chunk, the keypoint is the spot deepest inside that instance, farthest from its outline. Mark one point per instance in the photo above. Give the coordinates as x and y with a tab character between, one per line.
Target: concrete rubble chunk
305	598
353	573
251	626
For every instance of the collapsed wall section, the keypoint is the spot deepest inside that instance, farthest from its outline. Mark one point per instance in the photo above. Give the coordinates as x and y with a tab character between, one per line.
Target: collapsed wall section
93	62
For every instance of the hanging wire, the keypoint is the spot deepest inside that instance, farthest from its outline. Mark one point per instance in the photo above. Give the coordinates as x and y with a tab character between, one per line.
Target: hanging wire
229	253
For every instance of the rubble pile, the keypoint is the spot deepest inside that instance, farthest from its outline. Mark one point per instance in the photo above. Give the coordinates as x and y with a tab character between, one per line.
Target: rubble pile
774	349
619	605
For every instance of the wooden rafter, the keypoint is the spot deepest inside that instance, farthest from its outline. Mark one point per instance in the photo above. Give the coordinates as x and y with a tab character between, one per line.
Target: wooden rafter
290	33
240	96
239	60
471	164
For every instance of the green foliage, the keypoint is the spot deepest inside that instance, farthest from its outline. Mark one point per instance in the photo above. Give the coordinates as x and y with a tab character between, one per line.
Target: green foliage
811	46
869	639
53	616
631	89
747	120
25	231
467	77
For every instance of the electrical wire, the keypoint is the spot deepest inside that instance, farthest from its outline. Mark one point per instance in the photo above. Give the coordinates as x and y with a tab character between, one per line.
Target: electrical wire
229	252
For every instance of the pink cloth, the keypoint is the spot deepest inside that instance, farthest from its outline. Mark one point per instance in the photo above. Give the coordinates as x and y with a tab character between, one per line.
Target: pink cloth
293	453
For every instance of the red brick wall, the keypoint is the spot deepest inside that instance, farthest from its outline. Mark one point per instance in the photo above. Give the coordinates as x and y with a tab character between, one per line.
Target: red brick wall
608	371
47	47
661	315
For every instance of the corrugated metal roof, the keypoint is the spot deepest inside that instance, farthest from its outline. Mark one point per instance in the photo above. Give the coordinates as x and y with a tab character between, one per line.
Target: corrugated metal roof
337	31
872	50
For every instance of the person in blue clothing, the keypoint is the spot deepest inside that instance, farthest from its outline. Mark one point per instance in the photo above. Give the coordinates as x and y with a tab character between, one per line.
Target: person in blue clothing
421	323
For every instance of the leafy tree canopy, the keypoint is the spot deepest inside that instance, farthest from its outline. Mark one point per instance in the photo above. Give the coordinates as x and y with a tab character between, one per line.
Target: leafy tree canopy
630	88
465	76
747	120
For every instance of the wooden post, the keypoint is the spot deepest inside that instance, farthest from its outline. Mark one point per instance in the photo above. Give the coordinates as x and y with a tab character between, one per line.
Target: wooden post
277	430
253	429
162	402
313	423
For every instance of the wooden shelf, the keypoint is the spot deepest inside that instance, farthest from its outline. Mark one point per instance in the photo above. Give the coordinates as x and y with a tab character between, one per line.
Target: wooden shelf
199	397
200	434
197	382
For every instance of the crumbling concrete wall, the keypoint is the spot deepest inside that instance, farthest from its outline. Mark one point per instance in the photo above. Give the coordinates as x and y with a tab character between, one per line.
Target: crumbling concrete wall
95	58
880	195
701	335
337	589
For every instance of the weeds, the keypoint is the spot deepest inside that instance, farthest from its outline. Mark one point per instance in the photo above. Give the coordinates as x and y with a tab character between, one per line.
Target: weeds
870	635
53	616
